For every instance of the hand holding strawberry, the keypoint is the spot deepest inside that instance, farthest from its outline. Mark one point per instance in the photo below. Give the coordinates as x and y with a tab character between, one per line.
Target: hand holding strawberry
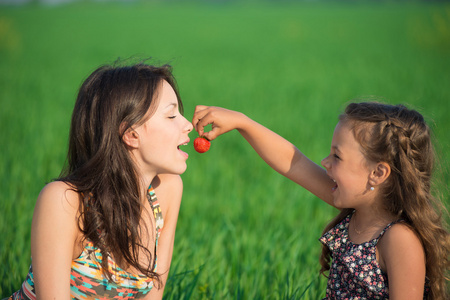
201	144
221	120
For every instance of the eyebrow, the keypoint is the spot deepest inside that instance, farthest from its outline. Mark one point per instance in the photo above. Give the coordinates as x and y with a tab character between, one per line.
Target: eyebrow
336	148
173	104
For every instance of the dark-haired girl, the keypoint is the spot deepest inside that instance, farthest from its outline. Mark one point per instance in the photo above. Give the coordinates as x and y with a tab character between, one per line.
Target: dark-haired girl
105	228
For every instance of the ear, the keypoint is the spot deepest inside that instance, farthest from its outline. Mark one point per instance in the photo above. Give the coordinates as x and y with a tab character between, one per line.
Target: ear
131	138
379	174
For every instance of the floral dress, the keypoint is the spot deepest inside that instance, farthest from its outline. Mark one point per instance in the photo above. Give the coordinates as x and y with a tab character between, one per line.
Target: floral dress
355	272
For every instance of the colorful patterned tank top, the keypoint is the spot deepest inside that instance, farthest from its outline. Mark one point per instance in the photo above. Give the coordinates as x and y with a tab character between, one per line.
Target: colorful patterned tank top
87	280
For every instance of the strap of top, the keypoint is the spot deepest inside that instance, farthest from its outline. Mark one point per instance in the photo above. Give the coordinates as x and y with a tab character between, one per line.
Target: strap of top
154	204
388	226
159	221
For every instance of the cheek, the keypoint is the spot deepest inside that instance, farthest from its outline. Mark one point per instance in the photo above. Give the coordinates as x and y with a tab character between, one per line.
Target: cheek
163	141
157	134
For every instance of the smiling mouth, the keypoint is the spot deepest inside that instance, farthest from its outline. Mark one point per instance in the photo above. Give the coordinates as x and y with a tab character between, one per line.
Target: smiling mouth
334	187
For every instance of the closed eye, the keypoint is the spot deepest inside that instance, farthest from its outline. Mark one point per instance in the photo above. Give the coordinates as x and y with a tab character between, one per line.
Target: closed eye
336	156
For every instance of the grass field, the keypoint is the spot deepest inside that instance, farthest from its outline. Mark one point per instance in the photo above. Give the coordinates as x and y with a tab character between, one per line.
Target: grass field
244	232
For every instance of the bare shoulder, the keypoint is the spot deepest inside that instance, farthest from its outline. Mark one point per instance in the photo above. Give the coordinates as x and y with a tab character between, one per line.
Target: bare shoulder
58	195
401	234
401	245
56	206
55	220
168	190
168	184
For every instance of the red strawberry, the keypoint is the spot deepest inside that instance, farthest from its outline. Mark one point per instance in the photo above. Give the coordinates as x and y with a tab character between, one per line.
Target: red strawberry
201	144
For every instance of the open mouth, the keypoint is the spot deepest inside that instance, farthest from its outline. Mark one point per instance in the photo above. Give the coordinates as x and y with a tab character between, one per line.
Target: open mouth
181	151
184	144
334	187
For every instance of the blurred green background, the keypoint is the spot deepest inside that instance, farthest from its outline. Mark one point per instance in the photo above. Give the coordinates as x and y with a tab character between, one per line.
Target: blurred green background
244	231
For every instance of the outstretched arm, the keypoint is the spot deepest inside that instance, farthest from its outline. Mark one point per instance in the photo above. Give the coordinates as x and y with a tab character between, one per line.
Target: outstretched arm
276	151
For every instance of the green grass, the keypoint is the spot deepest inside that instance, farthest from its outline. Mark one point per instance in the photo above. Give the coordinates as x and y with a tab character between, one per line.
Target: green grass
244	232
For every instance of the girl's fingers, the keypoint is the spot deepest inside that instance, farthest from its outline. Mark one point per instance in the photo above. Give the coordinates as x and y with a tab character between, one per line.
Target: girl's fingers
200	119
198	114
216	116
202	123
200	108
213	133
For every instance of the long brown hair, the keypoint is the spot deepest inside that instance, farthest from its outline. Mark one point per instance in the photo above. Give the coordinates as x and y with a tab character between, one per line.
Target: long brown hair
400	137
99	167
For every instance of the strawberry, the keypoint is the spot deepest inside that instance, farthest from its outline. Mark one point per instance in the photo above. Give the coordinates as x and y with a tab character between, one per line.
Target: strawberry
201	144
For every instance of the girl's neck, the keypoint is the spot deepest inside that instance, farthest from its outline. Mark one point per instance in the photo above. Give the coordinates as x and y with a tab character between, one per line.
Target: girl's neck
145	183
372	214
367	224
147	179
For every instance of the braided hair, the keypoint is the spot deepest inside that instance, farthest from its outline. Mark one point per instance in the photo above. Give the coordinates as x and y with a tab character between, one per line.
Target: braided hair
400	137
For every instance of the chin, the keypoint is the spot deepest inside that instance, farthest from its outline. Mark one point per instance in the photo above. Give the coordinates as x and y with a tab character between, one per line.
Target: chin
179	170
183	169
339	205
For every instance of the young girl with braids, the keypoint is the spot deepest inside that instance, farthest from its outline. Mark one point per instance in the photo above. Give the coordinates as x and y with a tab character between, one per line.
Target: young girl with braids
105	229
388	240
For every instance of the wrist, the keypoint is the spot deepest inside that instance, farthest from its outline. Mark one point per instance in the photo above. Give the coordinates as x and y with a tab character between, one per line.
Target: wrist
243	123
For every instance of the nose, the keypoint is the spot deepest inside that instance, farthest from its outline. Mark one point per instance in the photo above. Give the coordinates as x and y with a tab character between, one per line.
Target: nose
325	162
188	125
